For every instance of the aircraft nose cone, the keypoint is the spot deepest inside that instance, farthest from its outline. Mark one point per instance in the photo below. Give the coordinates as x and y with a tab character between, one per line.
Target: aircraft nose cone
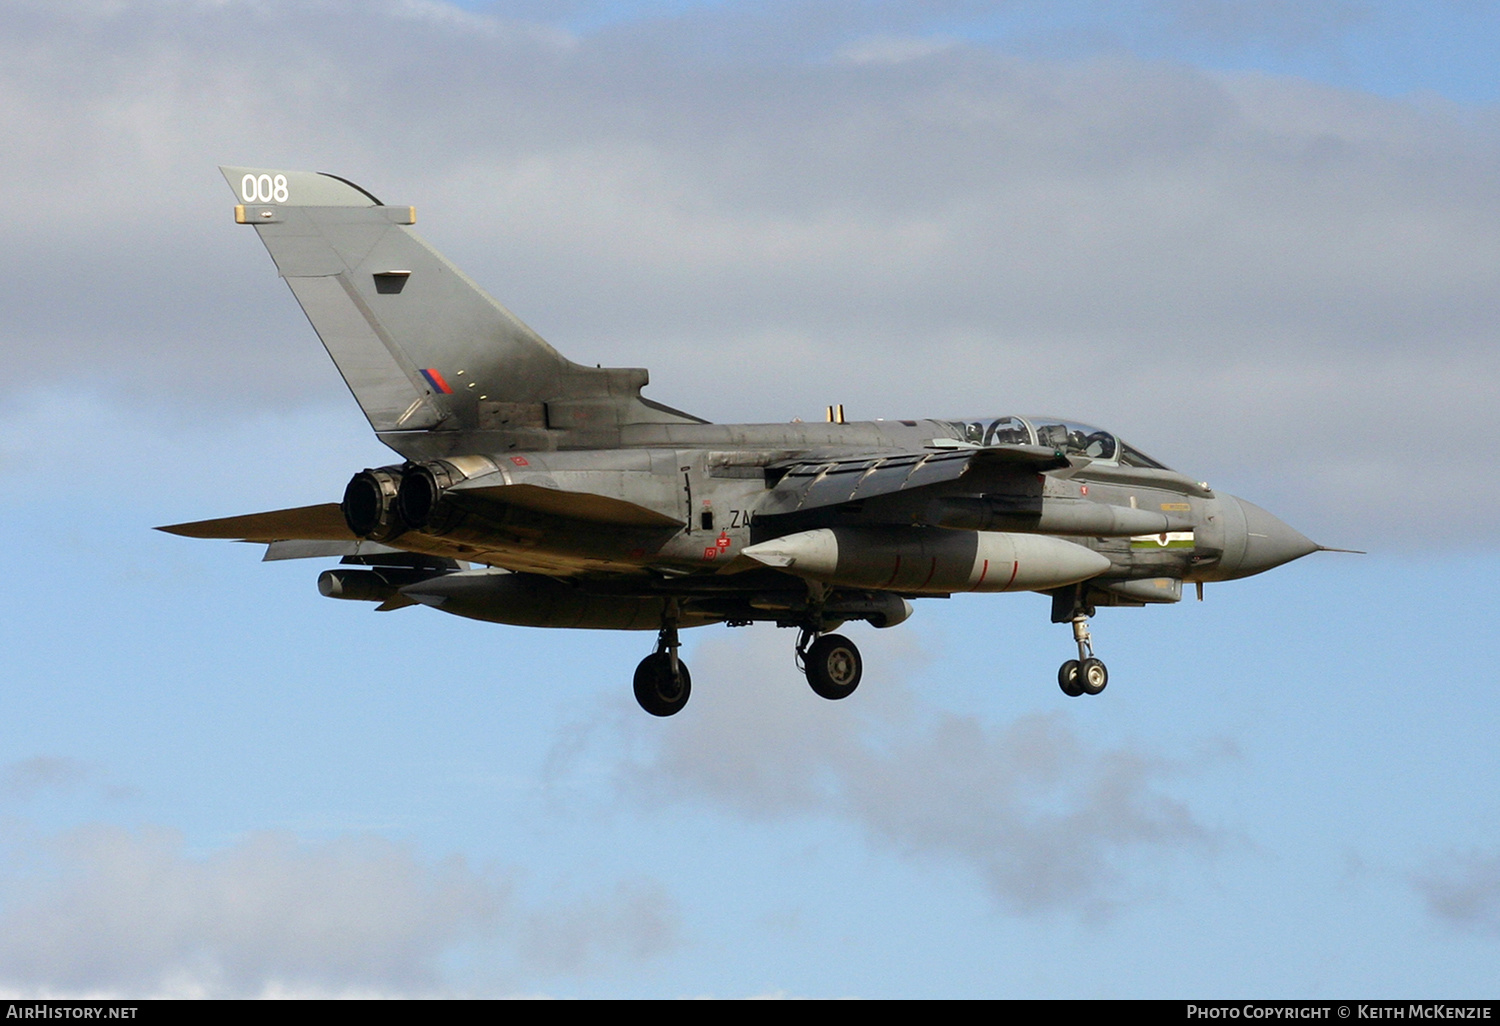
1269	542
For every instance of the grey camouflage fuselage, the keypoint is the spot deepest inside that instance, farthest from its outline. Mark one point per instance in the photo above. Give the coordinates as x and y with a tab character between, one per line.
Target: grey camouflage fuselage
588	505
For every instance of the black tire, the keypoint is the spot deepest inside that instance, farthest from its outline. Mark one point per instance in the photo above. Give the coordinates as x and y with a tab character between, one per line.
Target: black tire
655	688
1068	678
833	667
1092	676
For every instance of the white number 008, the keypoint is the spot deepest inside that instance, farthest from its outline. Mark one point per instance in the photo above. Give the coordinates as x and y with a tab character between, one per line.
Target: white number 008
263	189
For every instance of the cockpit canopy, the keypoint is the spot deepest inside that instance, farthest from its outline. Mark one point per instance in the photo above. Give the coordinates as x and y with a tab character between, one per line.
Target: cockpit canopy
1066	436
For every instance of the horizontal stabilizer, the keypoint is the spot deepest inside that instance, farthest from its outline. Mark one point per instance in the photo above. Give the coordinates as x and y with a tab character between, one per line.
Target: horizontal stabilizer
305	523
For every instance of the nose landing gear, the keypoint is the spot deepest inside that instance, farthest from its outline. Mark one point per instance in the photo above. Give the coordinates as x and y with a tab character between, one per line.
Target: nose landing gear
1085	675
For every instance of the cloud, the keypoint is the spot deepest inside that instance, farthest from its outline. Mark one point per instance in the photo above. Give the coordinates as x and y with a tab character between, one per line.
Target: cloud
637	920
51	776
1464	891
892	49
1281	23
1247	276
109	910
1043	818
40	774
133	912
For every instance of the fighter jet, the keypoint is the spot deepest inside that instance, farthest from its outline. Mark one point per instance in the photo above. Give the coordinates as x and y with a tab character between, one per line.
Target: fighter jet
536	491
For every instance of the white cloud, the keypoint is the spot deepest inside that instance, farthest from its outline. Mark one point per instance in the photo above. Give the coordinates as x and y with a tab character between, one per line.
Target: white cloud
106	910
1264	281
892	49
1041	817
637	920
1281	23
134	912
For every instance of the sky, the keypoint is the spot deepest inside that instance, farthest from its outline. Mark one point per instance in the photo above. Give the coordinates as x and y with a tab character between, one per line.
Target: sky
1259	240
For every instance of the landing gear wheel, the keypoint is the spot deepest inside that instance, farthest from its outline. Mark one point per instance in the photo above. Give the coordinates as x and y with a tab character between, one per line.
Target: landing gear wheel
656	688
833	666
1092	676
1069	679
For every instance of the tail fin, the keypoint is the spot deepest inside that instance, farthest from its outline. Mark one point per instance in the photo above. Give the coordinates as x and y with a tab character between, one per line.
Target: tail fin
430	357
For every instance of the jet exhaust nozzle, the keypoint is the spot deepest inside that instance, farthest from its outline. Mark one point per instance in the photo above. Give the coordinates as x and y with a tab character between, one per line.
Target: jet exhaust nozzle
420	497
369	504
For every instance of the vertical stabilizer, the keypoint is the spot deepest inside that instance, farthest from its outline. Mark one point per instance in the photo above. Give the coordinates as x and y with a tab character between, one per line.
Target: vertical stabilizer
429	356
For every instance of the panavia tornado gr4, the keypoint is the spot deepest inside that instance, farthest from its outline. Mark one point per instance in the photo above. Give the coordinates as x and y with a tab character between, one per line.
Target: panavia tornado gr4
536	491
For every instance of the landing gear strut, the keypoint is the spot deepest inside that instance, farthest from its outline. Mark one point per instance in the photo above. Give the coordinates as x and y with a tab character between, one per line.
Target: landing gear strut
831	662
1085	675
662	681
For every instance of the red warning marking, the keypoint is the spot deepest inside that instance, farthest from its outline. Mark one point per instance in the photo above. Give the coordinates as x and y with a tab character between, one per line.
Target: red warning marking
520	461
893	573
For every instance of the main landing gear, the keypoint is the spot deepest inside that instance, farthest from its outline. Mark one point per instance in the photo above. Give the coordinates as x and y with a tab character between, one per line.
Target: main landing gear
831	662
662	681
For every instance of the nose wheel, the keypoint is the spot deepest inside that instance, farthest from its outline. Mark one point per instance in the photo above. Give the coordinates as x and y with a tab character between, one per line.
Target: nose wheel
1085	675
1067	679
